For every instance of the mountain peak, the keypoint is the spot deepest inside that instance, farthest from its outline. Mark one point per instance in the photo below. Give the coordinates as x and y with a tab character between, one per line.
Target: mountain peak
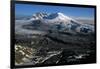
38	15
56	15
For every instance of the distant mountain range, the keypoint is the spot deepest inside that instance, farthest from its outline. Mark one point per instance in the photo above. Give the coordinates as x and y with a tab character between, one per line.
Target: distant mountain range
56	22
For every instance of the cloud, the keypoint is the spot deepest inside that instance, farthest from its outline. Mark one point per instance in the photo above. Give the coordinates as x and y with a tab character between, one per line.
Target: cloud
83	18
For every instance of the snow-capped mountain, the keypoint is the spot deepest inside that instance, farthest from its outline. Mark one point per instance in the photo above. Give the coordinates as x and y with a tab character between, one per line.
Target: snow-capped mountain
56	18
60	22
